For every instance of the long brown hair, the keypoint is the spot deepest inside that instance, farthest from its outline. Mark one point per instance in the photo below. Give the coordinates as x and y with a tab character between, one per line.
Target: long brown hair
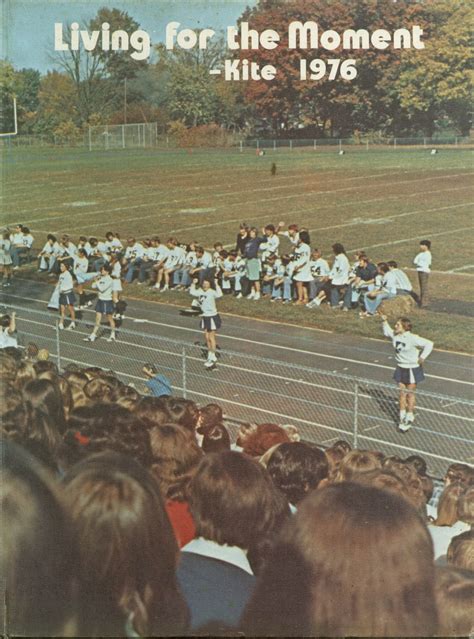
354	561
127	548
448	505
176	456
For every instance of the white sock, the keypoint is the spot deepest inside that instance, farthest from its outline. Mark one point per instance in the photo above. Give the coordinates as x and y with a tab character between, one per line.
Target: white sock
403	414
410	417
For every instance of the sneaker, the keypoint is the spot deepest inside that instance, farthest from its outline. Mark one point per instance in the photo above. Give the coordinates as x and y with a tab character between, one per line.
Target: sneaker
165	288
209	363
90	338
238	296
157	287
89	303
345	310
61	326
317	301
251	296
404	426
286	301
71	326
256	296
16	268
112	338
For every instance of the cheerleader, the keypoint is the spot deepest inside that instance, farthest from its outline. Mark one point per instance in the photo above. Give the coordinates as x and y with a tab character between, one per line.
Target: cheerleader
5	258
105	306
67	298
210	319
410	353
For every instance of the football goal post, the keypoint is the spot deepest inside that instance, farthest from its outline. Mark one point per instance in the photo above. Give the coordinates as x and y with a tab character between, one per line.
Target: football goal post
122	136
8	118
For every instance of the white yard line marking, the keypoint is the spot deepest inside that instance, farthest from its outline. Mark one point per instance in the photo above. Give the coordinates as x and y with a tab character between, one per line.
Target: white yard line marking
461	268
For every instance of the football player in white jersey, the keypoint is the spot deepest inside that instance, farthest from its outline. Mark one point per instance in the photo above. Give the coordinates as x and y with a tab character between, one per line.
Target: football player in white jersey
410	352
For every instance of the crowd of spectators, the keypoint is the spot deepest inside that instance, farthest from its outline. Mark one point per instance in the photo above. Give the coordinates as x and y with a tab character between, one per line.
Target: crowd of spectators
253	267
127	514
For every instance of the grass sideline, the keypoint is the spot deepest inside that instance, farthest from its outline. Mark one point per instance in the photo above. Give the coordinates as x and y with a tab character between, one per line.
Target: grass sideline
383	200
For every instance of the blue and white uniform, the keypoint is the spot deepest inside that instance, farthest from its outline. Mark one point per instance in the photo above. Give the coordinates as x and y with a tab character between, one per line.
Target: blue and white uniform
211	320
104	286
66	293
409	348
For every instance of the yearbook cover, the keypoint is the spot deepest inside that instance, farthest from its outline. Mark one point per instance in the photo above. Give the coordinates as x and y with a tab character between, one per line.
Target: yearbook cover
258	213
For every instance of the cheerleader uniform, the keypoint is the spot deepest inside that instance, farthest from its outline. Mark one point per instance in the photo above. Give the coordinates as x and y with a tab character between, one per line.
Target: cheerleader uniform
210	318
407	353
5	256
104	285
66	293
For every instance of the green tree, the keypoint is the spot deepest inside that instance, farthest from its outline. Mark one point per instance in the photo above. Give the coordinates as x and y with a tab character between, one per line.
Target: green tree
437	81
118	65
57	102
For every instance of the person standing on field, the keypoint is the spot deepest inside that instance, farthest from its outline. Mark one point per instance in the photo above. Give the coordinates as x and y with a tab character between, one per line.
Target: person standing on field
105	306
410	353
422	262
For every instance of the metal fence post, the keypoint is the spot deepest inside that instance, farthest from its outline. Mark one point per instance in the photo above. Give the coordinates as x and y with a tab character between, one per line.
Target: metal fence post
314	144
241	146
291	145
58	345
356	415
184	370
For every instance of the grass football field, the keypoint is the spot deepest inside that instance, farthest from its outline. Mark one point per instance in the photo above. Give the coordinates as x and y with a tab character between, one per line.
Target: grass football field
384	201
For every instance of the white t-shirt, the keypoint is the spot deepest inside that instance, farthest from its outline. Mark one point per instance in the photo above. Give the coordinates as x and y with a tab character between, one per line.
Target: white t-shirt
402	280
319	268
423	262
302	264
340	270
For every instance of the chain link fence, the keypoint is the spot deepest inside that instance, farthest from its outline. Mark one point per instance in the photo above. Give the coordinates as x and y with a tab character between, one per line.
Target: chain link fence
355	143
325	406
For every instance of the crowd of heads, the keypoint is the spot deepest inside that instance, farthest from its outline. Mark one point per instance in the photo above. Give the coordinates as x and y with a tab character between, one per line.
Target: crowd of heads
338	540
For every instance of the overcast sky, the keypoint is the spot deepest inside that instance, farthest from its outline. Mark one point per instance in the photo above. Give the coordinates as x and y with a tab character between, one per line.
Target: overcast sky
27	37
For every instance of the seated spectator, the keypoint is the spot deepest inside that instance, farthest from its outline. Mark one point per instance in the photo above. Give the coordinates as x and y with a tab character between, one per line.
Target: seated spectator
235	508
151	411
386	290
454	590
466	506
461	551
176	456
48	254
21	243
211	430
361	281
132	259
403	284
354	561
356	463
158	385
461	473
39	560
8	331
297	468
105	427
128	554
447	524
183	412
256	439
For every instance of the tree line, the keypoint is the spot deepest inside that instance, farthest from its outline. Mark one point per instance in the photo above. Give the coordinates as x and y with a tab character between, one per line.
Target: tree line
397	92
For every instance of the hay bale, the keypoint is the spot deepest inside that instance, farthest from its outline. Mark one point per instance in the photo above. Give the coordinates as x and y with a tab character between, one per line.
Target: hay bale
399	306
